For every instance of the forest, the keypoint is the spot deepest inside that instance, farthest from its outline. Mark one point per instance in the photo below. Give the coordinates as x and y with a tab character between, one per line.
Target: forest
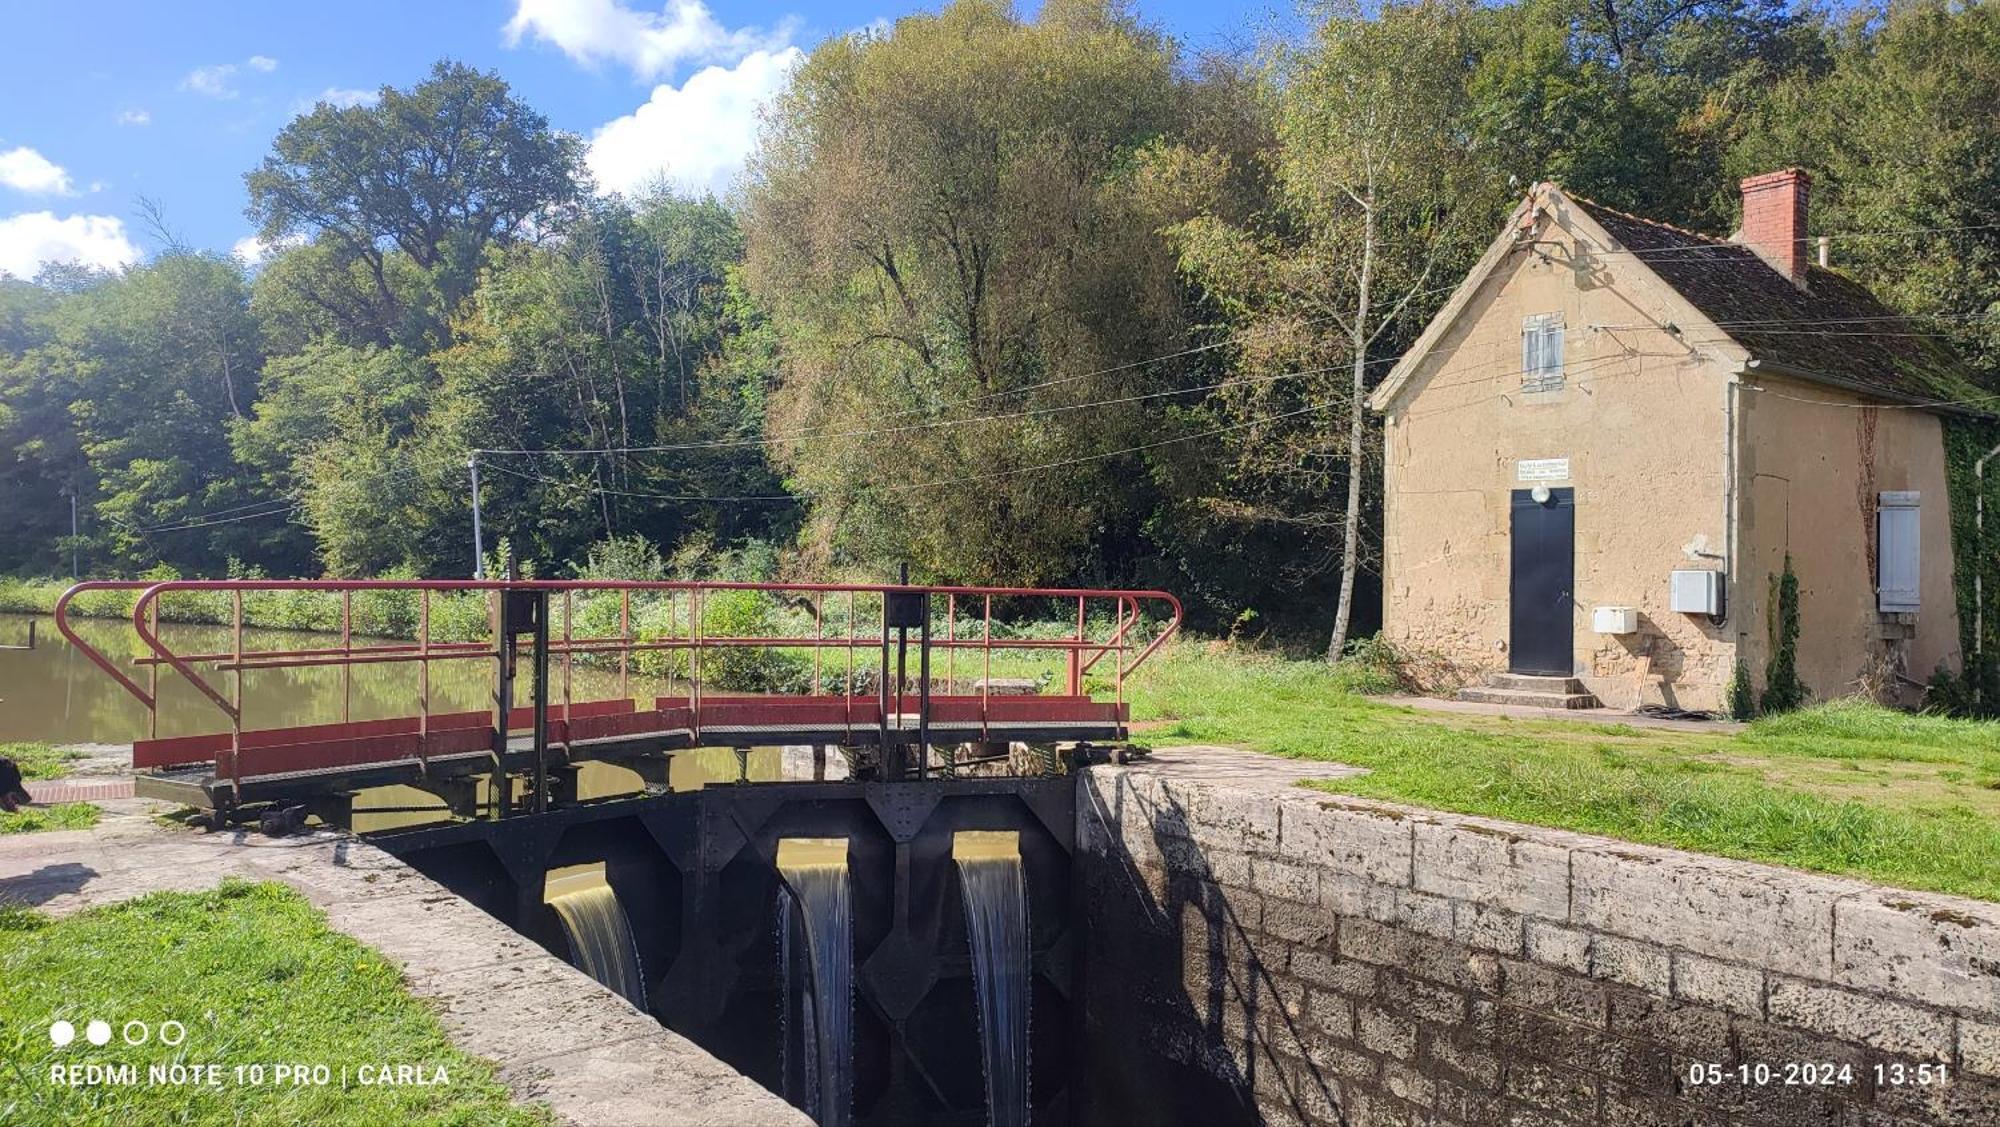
1022	301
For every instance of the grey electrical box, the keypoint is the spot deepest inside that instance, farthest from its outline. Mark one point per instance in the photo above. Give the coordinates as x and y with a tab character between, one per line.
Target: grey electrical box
1696	592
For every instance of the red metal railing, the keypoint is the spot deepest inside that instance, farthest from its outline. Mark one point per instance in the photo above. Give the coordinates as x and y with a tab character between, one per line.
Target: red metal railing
1118	620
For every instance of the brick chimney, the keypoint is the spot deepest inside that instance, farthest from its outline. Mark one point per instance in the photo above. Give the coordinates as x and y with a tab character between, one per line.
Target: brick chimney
1774	220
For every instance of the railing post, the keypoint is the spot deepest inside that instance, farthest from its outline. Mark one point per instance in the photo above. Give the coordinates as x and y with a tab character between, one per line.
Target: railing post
540	607
986	674
153	675
1076	654
236	698
423	679
346	655
503	698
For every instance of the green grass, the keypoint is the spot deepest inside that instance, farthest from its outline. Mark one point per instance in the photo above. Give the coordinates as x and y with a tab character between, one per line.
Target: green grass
41	761
38	760
1846	787
256	977
62	816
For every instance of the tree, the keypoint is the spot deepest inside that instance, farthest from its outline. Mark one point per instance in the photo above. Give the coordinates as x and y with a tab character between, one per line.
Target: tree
435	172
941	225
1902	135
1380	196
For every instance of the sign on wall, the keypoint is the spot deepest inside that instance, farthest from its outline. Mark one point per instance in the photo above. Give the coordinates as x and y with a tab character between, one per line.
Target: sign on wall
1542	469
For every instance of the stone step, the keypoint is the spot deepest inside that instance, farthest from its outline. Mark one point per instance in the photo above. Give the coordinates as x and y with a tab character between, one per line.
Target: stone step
1528	698
1534	683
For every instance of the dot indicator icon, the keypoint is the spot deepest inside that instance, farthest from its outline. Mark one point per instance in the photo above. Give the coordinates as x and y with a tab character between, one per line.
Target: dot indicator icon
62	1033
98	1032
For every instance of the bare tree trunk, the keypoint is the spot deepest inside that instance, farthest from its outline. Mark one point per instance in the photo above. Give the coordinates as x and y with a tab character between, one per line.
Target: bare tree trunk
1349	560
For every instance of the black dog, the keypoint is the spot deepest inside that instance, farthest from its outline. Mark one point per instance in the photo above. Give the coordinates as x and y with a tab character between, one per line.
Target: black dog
13	795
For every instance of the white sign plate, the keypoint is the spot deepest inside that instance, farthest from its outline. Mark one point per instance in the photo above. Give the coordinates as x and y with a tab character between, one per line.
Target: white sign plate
1542	469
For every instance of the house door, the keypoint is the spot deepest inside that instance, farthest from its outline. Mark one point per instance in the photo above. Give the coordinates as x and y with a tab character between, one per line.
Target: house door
1541	587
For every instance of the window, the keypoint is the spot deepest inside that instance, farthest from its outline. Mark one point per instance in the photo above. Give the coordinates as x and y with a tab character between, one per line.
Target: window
1542	352
1897	552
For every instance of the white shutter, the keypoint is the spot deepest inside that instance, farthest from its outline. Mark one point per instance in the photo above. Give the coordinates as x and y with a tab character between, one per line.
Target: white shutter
1541	352
1898	552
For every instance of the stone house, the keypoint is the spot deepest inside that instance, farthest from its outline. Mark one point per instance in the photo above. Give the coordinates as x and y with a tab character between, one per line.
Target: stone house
1601	452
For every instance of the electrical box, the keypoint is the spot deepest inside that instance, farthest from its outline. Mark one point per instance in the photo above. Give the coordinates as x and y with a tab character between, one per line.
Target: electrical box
1696	592
1615	620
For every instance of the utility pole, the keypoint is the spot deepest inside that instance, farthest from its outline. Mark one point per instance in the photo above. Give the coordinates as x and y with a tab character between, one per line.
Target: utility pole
478	545
72	534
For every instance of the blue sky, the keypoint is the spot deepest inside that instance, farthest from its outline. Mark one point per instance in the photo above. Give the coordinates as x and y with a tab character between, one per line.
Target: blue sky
104	102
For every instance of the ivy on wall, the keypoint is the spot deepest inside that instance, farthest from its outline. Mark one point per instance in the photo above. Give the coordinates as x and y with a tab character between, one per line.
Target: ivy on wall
1783	691
1965	442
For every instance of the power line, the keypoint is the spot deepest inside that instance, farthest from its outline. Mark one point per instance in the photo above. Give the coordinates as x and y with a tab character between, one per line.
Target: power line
285	507
932	425
937	483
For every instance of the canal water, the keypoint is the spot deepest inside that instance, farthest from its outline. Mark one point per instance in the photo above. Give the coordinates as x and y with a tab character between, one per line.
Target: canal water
54	694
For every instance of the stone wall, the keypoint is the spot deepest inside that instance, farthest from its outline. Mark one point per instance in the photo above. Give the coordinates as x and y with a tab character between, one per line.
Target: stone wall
1265	952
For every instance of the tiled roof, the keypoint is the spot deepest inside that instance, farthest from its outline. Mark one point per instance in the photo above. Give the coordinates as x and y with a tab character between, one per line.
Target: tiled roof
1833	330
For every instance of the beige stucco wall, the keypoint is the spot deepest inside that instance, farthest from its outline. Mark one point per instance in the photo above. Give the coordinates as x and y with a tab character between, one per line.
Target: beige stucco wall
1642	420
1814	458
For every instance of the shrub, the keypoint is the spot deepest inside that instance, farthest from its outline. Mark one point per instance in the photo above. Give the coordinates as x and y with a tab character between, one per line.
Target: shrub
1783	691
1370	667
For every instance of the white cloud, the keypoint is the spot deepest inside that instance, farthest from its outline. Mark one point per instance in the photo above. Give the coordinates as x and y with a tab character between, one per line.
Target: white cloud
695	137
347	98
218	81
253	250
135	117
26	170
32	238
650	43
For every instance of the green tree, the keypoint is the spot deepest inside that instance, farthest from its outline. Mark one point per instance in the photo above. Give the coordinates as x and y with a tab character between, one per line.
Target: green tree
941	225
1902	137
435	173
1379	197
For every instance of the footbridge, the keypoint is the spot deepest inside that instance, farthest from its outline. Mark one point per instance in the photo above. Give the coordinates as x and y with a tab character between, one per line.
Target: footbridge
901	676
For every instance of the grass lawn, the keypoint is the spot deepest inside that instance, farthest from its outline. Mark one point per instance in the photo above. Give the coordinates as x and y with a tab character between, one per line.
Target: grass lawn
61	816
40	761
1845	787
256	977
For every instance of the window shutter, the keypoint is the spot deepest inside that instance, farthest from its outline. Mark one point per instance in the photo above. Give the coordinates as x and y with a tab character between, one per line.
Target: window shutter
1898	553
1541	352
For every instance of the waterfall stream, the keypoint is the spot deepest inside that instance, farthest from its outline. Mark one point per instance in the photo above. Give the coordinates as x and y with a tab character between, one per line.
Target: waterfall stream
600	938
818	877
996	923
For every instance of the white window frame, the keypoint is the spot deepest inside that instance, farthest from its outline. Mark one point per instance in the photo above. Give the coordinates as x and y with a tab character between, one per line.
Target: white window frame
1542	352
1899	561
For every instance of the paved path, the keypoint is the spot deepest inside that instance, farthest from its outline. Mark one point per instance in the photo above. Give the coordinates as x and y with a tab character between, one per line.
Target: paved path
78	790
1584	715
557	1036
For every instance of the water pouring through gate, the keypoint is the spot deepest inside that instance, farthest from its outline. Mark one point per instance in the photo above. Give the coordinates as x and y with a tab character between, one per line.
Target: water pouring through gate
815	869
600	937
996	923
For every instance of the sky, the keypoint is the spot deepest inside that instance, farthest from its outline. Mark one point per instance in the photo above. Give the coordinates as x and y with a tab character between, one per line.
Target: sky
103	103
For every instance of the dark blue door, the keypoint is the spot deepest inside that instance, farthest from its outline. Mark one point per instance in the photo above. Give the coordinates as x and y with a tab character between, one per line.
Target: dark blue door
1541	591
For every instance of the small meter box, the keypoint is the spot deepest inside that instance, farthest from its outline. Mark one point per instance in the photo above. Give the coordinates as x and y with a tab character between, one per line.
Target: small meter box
1615	620
1697	592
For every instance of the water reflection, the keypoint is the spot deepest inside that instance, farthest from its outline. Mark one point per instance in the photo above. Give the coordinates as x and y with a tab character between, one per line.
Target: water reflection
54	693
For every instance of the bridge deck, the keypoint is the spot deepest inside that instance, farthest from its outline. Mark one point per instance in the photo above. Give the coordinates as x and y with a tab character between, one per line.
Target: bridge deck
284	763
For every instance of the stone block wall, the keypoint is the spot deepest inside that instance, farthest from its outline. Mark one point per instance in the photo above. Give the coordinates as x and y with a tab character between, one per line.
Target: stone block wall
1262	952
